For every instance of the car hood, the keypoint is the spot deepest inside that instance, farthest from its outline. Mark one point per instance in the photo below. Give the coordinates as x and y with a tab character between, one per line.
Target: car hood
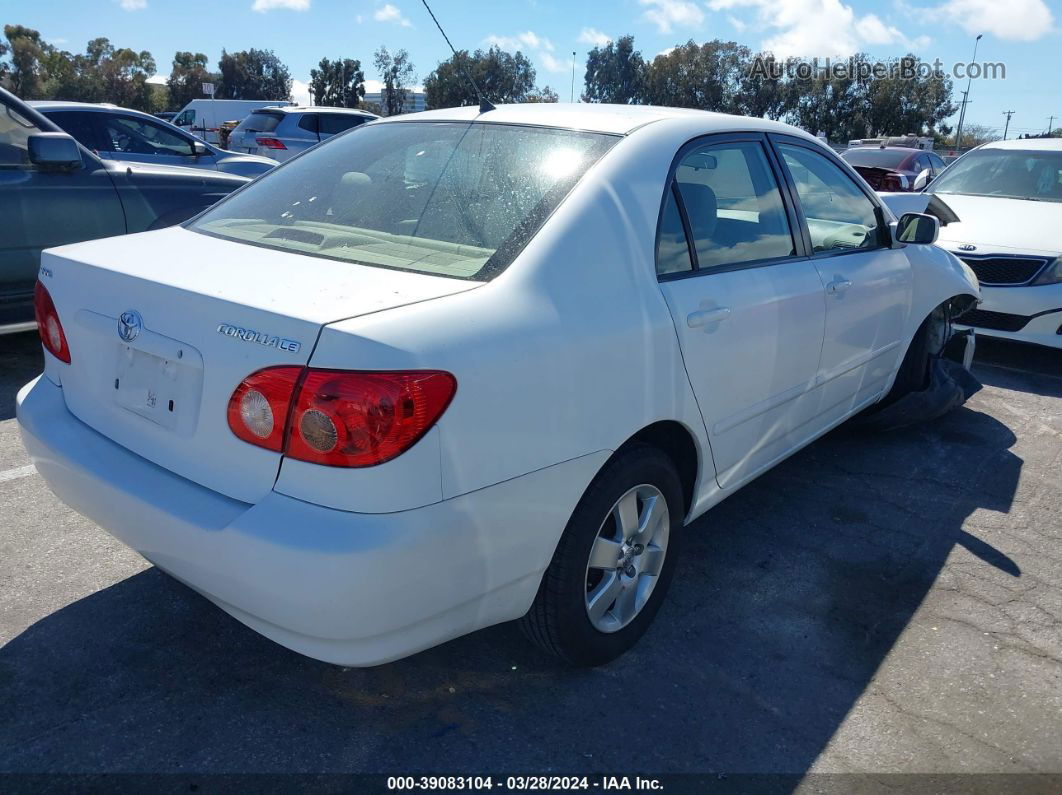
225	156
990	223
156	173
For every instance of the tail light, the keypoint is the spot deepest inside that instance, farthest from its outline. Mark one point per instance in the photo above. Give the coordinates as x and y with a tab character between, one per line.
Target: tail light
336	417
48	325
894	182
270	143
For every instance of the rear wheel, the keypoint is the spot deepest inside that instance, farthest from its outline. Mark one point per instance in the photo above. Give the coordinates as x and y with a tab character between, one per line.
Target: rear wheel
614	562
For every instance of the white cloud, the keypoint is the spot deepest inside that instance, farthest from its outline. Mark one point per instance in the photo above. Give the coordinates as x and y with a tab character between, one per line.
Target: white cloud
595	37
262	6
1015	20
821	27
529	40
132	5
530	43
390	13
736	23
300	92
665	53
157	80
666	14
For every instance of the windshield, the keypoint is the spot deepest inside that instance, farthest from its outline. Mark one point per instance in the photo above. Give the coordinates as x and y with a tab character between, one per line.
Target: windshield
874	158
1035	175
456	199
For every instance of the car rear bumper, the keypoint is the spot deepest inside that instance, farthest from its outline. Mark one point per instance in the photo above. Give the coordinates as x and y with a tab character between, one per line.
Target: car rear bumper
348	588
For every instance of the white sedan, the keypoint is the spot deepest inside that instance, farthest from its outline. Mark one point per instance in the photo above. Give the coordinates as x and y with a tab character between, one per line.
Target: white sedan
1001	206
457	368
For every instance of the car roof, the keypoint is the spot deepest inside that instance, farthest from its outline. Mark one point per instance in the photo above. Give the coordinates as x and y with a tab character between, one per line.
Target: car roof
53	104
1027	144
593	117
316	109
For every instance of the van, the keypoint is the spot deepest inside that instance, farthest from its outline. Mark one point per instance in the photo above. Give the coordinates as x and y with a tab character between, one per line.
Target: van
202	117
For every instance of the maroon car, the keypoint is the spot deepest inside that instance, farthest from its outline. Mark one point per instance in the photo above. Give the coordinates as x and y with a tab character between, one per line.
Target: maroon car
892	168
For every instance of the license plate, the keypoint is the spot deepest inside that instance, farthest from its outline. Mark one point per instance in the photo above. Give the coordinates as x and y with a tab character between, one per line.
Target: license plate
150	386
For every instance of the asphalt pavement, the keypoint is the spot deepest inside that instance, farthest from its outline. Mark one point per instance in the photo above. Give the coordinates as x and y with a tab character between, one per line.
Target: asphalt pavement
879	603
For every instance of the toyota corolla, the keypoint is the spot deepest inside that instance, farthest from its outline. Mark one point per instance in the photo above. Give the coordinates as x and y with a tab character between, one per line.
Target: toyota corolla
462	367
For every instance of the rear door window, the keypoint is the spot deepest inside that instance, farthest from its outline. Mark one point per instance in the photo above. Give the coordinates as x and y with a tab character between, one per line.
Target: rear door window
308	122
334	123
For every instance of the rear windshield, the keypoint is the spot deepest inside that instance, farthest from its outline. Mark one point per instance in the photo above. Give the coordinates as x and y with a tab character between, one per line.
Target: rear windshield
262	122
874	158
457	199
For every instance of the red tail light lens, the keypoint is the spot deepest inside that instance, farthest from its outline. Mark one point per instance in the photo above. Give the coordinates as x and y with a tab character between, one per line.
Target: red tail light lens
270	143
48	325
340	418
892	182
258	409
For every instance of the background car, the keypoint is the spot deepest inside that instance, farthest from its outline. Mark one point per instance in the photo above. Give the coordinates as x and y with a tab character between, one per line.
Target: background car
1000	207
892	168
54	191
130	136
281	133
203	117
463	367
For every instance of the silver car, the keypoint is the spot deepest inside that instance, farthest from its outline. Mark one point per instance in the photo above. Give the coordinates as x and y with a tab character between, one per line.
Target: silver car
281	133
122	134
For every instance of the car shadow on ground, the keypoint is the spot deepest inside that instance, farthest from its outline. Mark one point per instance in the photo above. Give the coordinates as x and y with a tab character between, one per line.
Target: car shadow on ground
21	360
787	598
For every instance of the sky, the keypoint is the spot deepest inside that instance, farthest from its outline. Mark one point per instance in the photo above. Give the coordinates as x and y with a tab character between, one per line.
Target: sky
1024	35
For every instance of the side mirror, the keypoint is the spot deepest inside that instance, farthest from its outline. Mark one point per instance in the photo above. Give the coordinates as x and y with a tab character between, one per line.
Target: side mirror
918	228
922	180
199	149
54	150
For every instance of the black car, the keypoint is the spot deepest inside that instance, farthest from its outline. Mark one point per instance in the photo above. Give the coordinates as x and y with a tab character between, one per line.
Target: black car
54	191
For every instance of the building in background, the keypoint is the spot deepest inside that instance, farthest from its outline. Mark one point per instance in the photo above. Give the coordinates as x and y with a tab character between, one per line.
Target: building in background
414	99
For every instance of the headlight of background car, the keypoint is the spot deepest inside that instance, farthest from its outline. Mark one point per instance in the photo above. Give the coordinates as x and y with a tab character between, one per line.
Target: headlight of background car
1052	274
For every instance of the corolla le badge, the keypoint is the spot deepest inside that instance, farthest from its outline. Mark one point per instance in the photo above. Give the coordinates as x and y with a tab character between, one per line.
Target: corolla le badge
967	247
129	325
250	335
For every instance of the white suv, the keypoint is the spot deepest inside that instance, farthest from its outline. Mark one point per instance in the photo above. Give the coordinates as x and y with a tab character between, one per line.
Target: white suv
281	133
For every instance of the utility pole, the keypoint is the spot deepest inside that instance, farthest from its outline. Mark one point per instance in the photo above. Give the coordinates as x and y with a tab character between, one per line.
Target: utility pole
1050	124
966	94
573	76
1008	114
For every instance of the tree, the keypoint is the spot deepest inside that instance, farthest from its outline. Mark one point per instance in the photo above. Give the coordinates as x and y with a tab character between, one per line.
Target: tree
25	72
709	76
912	98
500	76
544	94
396	73
253	74
615	73
339	83
186	79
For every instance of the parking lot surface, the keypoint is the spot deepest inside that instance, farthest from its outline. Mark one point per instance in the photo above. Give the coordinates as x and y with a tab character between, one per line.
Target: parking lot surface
878	603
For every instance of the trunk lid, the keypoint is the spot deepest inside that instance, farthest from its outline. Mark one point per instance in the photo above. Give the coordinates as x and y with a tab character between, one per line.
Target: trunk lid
199	315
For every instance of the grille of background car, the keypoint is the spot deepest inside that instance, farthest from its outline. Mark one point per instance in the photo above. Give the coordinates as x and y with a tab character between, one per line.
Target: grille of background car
1005	270
998	321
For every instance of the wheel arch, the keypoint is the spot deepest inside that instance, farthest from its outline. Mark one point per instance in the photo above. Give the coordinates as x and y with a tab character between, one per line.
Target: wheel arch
680	445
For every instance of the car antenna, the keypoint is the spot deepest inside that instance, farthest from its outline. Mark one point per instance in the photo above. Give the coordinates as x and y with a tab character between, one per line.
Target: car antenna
484	103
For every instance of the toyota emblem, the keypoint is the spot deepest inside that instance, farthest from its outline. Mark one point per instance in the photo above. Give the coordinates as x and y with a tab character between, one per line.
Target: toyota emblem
129	325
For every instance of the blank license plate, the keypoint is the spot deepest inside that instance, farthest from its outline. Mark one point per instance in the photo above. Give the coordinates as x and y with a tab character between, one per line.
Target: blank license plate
149	385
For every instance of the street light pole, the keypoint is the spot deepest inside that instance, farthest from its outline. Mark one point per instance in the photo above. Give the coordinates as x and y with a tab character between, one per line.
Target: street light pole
572	99
966	94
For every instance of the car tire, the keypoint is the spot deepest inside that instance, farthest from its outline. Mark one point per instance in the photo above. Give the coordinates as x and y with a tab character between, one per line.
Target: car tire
569	617
913	375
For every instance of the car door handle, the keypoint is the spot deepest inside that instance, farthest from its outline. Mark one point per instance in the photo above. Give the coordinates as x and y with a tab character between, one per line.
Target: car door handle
838	286
705	316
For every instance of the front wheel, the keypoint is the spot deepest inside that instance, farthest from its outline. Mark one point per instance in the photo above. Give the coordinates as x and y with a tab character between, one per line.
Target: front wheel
614	562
